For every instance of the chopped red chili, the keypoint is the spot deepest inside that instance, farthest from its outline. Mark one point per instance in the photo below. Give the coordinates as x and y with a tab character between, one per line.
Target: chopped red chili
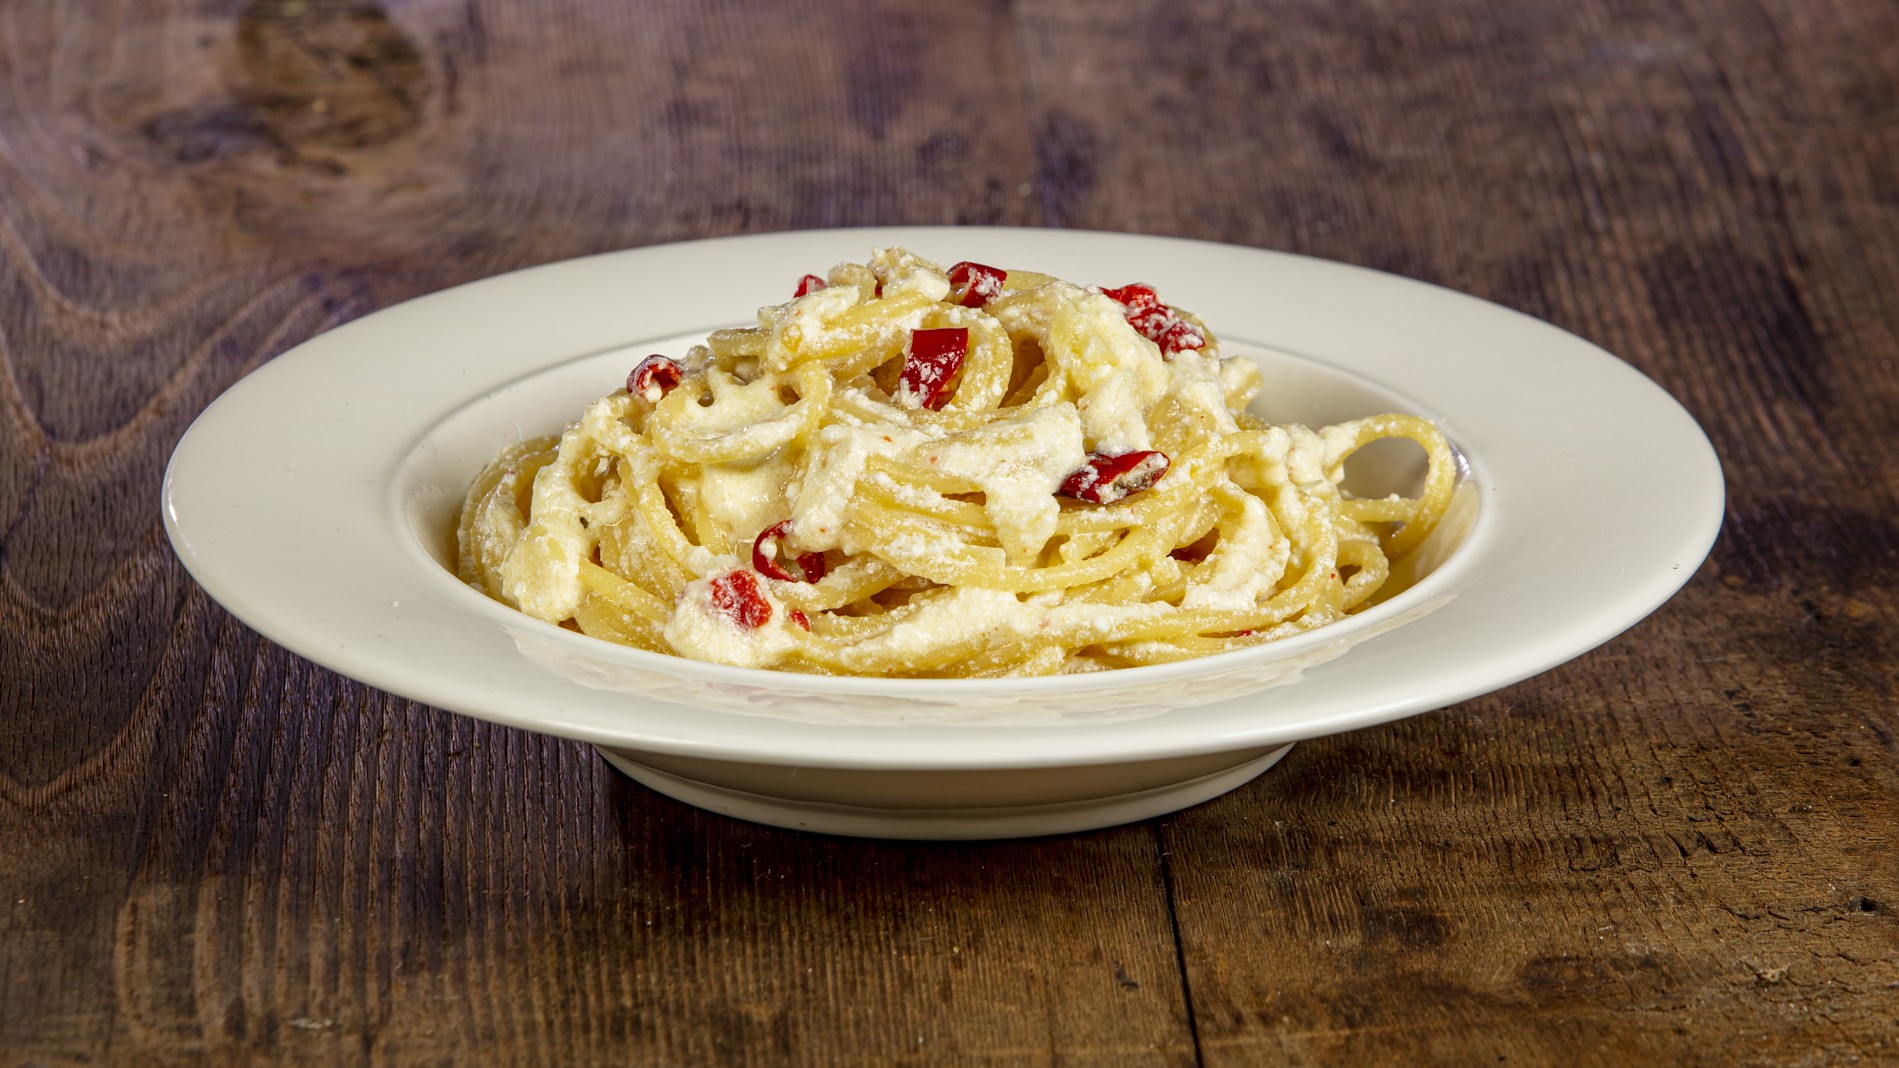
654	377
1107	479
810	565
1155	321
932	361
738	596
973	285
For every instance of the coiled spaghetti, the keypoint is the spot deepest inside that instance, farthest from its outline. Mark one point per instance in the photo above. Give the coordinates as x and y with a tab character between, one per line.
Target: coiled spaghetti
911	471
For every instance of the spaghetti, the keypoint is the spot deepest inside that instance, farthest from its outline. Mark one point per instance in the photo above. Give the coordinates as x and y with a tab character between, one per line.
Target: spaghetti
912	471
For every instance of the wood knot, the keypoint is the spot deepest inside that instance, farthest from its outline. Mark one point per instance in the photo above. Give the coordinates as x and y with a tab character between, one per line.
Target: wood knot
330	73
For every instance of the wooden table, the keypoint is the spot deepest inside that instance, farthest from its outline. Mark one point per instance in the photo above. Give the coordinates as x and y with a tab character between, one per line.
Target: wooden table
1680	846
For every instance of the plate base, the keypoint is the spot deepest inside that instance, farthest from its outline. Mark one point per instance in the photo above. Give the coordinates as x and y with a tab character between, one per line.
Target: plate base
945	821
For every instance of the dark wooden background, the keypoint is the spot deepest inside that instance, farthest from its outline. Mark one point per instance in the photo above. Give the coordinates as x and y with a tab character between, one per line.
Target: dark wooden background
1680	846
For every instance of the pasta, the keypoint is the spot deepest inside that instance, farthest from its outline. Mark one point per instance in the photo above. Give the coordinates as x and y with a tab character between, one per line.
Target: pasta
913	471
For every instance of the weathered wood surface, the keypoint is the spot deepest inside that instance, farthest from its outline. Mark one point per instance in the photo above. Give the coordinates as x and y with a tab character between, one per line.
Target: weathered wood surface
1680	846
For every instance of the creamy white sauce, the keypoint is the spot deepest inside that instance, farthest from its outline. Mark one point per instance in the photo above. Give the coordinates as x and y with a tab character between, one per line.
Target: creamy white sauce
746	498
1119	373
830	477
1244	567
748	419
1019	462
542	574
995	616
808	316
1195	385
703	631
901	271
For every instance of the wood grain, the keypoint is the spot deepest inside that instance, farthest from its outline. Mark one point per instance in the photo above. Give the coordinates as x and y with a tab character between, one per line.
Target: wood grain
1677	847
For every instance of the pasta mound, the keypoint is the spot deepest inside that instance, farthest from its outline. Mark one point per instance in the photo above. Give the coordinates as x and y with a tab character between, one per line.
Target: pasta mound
908	471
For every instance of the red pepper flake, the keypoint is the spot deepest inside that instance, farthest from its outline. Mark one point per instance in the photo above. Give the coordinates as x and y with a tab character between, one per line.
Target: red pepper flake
654	377
802	620
808	285
1151	323
1107	479
973	285
1244	633
810	565
1155	321
1181	334
934	358
737	595
1134	297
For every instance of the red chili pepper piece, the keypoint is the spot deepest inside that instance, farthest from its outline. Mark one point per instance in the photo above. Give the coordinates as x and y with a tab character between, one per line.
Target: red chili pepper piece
1137	296
737	596
1156	321
654	377
802	620
810	284
934	358
810	565
973	285
1180	335
1151	323
1107	479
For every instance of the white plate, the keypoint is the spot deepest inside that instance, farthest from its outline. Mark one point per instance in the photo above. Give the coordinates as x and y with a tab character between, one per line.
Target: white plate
314	500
